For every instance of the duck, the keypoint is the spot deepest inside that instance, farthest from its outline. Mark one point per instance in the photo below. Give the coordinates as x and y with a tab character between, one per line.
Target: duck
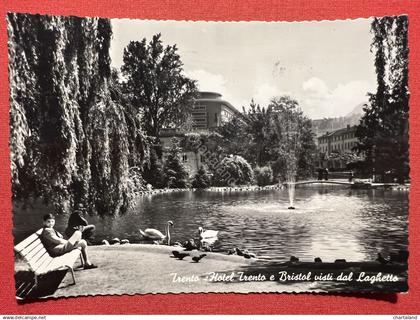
249	255
205	234
231	251
114	241
154	234
196	259
340	261
178	244
190	245
180	255
294	259
238	252
381	259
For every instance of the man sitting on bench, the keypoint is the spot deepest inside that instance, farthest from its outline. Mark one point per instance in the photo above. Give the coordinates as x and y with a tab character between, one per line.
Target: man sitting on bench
57	246
78	222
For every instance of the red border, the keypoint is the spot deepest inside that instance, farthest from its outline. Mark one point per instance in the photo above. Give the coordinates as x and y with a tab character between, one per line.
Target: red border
215	303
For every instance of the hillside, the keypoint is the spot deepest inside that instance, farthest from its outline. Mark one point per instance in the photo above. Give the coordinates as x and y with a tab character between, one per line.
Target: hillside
321	126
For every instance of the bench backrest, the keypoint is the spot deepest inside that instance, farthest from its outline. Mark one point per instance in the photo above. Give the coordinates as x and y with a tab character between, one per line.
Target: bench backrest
33	251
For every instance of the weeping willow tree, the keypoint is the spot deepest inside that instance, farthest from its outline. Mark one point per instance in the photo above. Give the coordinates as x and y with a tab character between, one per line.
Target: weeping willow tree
72	140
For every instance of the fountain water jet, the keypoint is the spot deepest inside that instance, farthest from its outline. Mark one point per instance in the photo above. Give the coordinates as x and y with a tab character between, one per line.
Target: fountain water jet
291	189
291	169
289	127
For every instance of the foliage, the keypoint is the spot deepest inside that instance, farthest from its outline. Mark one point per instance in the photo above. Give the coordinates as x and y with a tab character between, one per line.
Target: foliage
250	135
259	133
295	143
263	175
136	183
383	130
201	179
71	139
234	137
279	136
347	156
153	171
175	173
200	142
156	85
232	170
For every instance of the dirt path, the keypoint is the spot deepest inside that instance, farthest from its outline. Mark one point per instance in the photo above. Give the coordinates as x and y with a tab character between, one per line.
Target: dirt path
139	268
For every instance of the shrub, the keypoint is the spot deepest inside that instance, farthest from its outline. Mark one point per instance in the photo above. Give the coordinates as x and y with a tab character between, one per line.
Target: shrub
232	170
153	171
175	173
201	179
263	175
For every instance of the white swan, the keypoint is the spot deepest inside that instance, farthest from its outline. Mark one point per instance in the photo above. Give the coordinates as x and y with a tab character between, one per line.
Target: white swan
206	234
154	234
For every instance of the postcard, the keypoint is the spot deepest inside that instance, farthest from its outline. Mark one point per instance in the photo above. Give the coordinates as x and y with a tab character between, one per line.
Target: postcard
160	156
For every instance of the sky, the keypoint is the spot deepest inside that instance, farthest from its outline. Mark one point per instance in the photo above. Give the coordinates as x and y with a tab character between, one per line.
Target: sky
326	66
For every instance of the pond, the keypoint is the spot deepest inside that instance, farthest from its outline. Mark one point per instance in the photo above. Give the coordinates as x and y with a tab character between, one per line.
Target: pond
331	222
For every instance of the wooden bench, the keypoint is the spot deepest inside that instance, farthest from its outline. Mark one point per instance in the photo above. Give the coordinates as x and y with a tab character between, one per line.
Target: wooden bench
40	262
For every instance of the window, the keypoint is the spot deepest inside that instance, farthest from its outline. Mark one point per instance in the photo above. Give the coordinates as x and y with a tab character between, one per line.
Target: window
225	116
184	157
202	158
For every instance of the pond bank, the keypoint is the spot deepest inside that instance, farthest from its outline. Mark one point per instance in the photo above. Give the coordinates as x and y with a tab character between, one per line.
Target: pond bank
141	269
369	185
214	189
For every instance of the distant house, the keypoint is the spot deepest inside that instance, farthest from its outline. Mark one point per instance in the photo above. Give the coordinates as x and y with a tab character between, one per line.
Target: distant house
191	160
341	140
210	111
322	126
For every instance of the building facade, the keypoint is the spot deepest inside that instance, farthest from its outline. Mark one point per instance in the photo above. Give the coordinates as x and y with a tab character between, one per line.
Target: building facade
192	161
337	142
210	111
342	140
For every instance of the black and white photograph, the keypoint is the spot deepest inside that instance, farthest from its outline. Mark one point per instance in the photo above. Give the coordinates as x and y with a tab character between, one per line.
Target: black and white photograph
163	156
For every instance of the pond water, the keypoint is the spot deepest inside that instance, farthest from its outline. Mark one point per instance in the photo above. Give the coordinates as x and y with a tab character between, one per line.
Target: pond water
331	222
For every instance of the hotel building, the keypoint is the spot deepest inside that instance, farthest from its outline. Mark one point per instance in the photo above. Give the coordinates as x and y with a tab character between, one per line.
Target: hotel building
337	141
210	111
342	140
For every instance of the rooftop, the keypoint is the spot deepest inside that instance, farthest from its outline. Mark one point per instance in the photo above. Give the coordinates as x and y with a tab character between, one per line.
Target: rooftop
339	132
208	96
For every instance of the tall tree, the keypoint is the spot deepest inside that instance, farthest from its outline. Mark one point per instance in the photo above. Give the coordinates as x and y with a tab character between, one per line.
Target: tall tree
383	130
295	145
250	135
157	85
259	132
70	140
234	137
278	135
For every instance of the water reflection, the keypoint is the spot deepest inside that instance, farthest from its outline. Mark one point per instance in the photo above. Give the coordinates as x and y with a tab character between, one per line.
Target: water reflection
329	222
